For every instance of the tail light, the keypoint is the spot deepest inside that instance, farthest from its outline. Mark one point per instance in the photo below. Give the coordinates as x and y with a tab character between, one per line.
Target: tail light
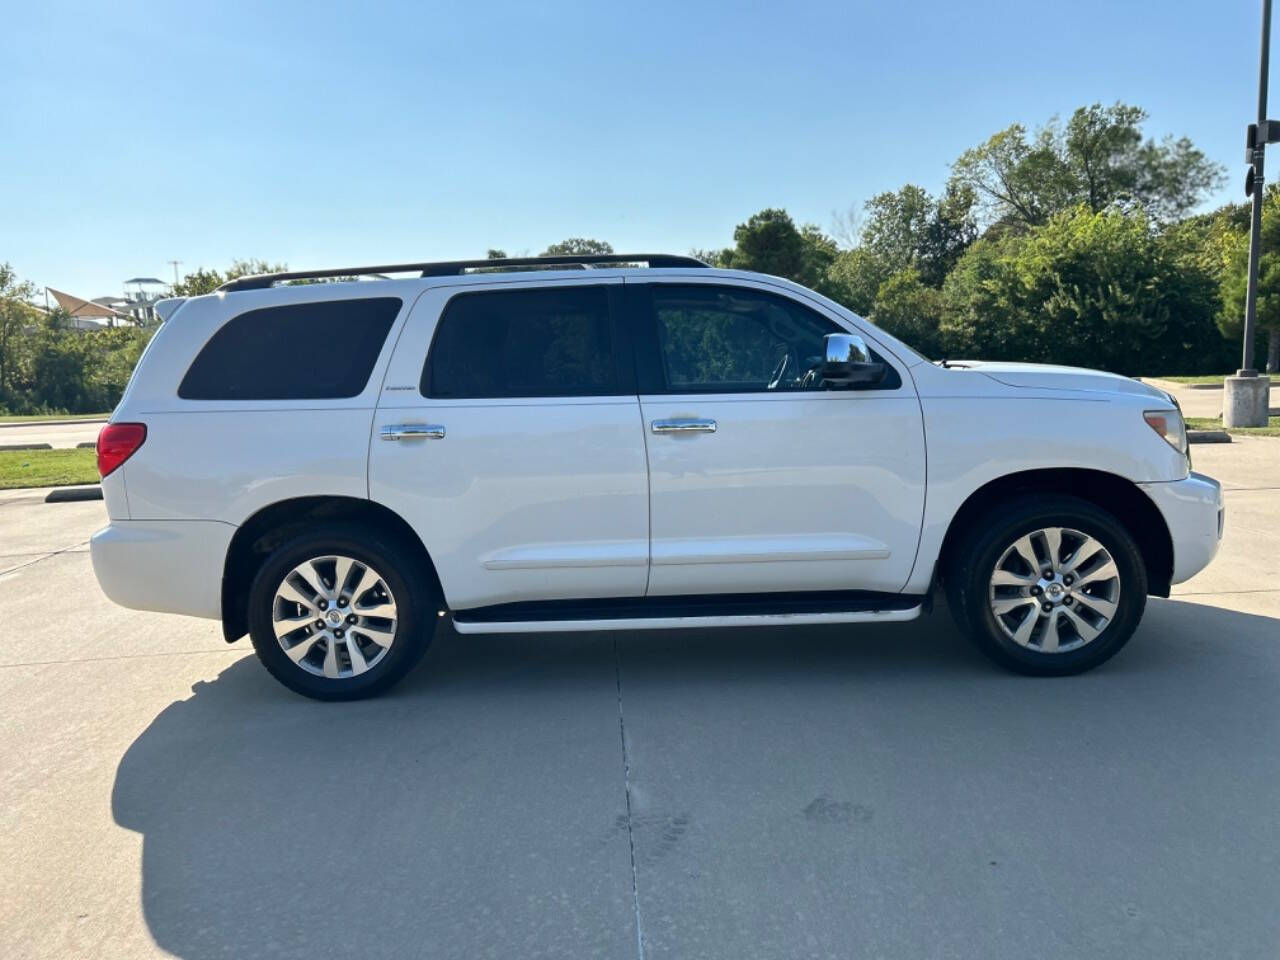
117	442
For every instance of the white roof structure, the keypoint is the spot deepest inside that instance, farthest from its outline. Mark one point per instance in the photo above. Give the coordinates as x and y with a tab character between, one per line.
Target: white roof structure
81	308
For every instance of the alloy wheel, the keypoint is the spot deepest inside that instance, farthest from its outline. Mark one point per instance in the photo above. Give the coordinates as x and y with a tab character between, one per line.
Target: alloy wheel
334	616
1055	590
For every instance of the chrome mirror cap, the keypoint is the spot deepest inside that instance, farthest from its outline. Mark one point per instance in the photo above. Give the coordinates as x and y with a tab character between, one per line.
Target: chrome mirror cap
848	361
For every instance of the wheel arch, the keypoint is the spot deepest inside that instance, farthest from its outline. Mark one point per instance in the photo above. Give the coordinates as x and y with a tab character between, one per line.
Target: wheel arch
271	525
1120	497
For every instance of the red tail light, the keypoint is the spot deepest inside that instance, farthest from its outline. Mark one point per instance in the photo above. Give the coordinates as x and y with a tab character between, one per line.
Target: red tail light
117	442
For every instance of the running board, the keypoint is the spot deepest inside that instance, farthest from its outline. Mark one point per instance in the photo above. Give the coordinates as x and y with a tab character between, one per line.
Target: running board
665	613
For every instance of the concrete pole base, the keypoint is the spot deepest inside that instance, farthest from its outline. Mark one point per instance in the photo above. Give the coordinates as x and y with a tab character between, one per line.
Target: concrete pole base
1245	401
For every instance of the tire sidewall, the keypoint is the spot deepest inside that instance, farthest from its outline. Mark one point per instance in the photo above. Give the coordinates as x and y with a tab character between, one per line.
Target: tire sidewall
1025	517
396	567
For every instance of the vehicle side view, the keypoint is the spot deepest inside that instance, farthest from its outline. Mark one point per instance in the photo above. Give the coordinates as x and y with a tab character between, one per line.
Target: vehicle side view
626	442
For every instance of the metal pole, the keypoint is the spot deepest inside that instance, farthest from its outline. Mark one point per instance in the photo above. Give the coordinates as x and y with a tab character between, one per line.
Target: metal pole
1255	231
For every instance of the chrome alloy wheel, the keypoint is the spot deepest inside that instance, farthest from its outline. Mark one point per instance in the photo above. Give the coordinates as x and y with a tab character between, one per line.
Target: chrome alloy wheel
1055	590
334	616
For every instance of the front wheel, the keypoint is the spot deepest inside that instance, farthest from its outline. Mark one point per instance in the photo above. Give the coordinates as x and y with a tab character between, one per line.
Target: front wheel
1048	585
340	613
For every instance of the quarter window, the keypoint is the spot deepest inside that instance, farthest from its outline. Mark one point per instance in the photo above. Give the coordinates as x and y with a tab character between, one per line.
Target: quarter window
548	342
303	351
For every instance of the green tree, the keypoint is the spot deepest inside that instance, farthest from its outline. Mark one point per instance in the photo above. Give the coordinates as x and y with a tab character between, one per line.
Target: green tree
201	280
578	246
1099	159
770	242
911	229
1095	289
16	315
1234	247
855	277
911	310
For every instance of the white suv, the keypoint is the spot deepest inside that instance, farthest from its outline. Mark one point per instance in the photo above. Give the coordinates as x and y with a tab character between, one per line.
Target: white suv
632	442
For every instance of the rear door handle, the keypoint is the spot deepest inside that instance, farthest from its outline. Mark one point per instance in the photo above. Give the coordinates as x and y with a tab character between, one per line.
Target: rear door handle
684	425
412	431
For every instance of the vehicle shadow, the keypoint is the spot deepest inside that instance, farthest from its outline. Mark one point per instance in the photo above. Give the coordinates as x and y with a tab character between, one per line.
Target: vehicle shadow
479	810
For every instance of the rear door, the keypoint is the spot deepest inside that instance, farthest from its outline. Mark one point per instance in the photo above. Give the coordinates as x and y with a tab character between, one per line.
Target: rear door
761	479
513	442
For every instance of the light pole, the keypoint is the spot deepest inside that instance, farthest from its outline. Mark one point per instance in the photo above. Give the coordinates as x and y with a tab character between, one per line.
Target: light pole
1245	396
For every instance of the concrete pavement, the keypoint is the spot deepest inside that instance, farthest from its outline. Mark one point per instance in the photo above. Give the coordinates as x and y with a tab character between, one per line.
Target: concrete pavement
67	433
880	792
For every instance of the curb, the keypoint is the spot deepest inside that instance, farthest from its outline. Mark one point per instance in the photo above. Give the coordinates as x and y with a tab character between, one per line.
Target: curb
1208	436
49	423
73	494
87	445
26	446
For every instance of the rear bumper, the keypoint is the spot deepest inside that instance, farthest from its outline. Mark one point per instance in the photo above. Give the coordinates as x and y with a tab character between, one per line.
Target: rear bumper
1193	511
170	566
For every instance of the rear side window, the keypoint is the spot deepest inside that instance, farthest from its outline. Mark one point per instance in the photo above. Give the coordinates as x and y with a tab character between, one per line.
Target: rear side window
304	351
549	342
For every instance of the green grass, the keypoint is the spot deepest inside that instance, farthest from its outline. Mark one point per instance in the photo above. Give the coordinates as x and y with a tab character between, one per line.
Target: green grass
47	468
1205	378
27	417
1272	429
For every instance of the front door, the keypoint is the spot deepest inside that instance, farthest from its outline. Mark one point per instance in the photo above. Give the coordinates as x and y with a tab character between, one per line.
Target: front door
762	479
514	445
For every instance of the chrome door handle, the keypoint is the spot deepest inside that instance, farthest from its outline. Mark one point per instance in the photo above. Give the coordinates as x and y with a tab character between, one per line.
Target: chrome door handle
412	431
684	425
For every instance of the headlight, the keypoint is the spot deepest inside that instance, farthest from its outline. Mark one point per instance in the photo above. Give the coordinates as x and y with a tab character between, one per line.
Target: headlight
1168	423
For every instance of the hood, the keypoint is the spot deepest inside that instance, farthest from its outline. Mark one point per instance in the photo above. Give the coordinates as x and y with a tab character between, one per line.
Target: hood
1046	376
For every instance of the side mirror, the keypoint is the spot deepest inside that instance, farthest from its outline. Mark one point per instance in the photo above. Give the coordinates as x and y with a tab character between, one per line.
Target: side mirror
848	361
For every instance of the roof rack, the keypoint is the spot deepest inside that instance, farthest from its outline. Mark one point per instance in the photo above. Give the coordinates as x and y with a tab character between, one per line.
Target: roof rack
451	268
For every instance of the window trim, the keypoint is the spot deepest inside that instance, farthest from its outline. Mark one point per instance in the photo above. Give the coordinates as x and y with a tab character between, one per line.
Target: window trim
620	337
651	372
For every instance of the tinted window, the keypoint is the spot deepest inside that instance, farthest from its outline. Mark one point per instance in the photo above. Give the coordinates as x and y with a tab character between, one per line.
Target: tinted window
730	339
551	342
305	351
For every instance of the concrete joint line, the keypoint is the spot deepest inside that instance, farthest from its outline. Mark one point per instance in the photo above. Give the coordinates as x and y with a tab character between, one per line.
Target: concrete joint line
626	782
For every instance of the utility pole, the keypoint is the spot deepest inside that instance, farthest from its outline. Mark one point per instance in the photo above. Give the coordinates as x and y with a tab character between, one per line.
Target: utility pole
177	262
1245	396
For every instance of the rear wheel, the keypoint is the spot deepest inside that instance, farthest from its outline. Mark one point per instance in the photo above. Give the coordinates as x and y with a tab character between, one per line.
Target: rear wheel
340	613
1047	585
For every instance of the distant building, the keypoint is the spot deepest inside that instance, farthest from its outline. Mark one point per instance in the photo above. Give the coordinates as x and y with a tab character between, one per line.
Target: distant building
136	306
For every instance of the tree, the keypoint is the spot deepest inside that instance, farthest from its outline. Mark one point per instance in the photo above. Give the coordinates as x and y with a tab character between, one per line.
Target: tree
855	277
1098	159
201	281
1095	289
911	310
1235	282
16	313
911	229
769	242
578	246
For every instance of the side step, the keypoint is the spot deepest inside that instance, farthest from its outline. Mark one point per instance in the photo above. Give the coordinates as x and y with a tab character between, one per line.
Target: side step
661	613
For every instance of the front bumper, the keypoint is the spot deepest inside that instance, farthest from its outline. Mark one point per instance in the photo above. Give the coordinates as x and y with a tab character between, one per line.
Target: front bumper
1193	511
170	566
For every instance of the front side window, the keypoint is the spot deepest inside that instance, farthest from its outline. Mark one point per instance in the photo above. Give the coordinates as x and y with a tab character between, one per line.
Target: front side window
548	342
303	351
732	339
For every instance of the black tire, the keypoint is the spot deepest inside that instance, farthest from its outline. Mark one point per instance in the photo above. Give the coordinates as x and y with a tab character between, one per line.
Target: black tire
973	561
399	568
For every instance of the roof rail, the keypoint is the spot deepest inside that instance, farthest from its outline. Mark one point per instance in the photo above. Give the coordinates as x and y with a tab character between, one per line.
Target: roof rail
450	268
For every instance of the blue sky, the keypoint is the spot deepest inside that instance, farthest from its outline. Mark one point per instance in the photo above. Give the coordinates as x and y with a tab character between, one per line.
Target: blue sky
324	135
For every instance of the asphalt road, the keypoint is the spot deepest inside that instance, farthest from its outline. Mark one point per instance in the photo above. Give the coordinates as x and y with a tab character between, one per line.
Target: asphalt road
879	792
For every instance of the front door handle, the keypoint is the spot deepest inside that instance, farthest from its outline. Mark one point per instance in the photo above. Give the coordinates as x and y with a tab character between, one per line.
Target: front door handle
684	425
412	431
